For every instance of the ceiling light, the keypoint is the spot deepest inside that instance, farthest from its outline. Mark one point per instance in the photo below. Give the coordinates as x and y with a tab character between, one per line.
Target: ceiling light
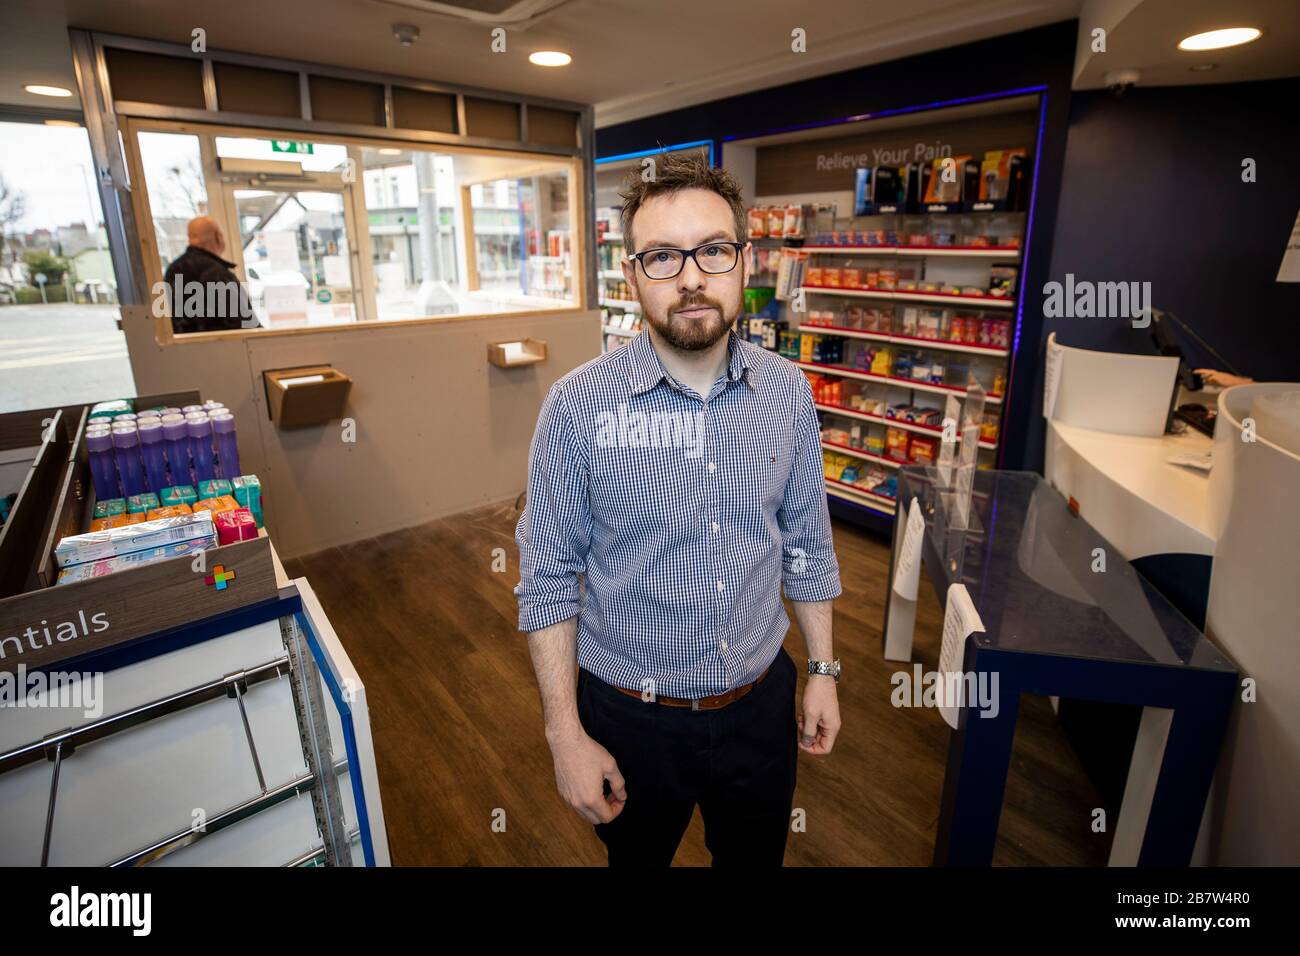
389	151
1218	39
549	58
47	90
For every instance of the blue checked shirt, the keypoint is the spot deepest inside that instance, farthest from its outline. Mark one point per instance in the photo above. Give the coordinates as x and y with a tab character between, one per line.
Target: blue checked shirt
684	516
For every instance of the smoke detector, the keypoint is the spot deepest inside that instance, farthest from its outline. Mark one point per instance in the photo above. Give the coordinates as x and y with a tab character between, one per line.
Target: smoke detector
405	33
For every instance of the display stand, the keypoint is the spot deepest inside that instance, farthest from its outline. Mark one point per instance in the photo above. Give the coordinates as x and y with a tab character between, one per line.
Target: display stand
897	288
1045	618
189	711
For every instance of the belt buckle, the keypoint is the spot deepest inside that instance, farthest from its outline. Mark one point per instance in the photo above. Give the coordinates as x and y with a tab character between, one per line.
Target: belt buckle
695	704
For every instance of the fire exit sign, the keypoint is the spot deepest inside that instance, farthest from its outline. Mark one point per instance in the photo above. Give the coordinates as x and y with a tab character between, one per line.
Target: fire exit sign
288	146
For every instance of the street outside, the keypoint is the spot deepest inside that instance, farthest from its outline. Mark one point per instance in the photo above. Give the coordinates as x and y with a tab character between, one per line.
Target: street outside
61	354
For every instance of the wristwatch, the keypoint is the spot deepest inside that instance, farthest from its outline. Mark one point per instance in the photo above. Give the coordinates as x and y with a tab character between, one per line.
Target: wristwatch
829	668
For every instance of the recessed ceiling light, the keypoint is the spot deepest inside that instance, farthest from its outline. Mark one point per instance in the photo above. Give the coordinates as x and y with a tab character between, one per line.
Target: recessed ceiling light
1218	39
389	151
72	123
40	90
549	58
1203	67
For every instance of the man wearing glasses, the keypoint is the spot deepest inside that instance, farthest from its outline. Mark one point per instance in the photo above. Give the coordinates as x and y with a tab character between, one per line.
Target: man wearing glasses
680	477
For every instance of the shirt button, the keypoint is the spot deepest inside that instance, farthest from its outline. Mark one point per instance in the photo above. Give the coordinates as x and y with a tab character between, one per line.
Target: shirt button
712	467
721	586
724	643
715	527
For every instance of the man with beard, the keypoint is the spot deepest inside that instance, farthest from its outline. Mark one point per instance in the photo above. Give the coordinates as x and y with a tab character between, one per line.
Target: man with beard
681	477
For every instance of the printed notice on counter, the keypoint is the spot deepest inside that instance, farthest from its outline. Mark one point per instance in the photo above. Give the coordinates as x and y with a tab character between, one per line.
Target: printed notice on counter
960	621
907	571
1052	375
285	301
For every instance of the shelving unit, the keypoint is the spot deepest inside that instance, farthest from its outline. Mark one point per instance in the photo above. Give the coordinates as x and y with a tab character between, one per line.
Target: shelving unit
893	307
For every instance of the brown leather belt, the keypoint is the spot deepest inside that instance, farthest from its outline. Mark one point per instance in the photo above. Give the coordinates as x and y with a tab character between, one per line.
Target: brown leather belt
715	702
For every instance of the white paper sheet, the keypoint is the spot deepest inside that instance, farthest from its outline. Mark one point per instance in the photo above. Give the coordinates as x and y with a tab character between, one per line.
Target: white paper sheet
907	569
960	621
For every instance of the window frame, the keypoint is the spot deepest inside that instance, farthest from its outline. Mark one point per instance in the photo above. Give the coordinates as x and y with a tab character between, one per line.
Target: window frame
363	280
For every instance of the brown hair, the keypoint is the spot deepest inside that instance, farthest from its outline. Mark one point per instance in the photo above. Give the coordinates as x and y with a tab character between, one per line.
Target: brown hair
674	172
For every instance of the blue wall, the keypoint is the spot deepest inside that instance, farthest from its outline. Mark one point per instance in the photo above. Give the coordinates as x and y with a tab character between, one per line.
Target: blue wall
1152	190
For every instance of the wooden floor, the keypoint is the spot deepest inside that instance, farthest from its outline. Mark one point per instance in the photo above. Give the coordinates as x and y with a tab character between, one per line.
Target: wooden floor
457	722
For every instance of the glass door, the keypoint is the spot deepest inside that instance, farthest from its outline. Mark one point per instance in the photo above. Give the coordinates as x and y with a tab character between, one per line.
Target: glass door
295	246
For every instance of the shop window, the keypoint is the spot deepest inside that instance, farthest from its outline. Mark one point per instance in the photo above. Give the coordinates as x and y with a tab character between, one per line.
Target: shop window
173	174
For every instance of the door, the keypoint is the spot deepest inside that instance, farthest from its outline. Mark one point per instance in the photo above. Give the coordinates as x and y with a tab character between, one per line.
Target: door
296	248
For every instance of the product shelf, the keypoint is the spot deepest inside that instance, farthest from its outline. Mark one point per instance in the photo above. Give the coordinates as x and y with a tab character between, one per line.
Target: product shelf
969	252
894	422
628	305
882	503
910	340
859	453
938	298
892	380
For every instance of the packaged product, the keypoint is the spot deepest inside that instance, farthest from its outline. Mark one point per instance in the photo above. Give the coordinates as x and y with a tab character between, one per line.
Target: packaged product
1002	281
217	505
875	444
214	488
957	328
896	443
883	362
757	222
109	506
139	504
851	278
236	525
94	569
929	324
776	221
115	542
831	277
813	276
178	495
923	450
794	220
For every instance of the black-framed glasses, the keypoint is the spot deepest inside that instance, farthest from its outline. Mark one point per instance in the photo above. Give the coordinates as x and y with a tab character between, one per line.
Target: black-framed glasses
712	258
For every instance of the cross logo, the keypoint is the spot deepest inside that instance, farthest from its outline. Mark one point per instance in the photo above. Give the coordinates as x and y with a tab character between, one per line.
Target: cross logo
219	577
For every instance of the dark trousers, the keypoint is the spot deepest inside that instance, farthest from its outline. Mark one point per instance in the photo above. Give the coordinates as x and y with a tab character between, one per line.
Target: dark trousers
738	763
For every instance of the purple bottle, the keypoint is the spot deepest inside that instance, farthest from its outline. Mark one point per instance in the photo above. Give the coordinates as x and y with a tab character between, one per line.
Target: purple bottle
130	469
200	430
103	467
153	454
176	438
223	427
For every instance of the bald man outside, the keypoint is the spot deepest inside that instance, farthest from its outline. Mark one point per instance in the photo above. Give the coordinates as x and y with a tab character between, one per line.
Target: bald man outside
203	293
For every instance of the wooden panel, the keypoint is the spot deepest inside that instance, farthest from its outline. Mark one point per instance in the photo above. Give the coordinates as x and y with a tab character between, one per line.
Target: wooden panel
68	514
417	109
177	596
252	89
548	127
21	536
346	101
155	78
493	119
827	165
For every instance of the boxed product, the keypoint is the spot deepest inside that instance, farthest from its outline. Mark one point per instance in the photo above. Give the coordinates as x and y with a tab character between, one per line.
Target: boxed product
776	221
923	451
945	190
794	220
178	495
232	526
757	222
216	505
213	488
108	521
896	443
147	536
169	511
1002	281
106	507
139	504
862	204
95	569
875	444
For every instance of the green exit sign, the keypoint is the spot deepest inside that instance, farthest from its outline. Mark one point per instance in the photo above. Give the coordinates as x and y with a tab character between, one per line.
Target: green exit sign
287	146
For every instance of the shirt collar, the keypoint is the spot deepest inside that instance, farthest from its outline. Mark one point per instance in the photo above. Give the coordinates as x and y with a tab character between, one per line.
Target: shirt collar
647	371
210	255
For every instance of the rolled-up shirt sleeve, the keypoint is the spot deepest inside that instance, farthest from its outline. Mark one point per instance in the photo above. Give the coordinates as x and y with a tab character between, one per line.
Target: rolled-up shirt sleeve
810	571
554	531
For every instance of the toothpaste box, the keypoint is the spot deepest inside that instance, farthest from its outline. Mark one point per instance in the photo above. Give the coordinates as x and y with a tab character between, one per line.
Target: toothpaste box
95	569
116	542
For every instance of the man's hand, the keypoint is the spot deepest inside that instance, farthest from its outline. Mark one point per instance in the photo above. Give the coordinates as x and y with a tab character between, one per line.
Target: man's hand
819	722
581	768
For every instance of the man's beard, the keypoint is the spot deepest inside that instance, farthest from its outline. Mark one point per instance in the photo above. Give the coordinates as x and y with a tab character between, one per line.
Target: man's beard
694	335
